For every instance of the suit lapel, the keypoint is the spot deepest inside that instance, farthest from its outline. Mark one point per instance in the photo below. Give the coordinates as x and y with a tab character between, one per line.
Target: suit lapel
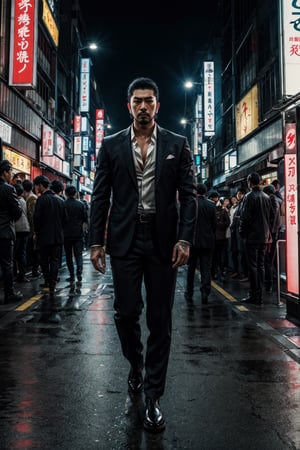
161	151
126	152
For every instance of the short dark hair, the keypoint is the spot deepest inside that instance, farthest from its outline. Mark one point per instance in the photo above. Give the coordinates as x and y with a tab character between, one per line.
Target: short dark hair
41	179
27	185
5	166
142	83
19	189
57	186
275	183
70	191
201	189
214	194
241	190
269	189
254	178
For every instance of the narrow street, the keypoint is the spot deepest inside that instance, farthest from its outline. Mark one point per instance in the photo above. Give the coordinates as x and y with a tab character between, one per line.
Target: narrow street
233	381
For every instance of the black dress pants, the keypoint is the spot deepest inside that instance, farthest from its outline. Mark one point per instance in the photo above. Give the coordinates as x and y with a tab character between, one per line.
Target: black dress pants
203	256
142	271
256	269
50	262
74	247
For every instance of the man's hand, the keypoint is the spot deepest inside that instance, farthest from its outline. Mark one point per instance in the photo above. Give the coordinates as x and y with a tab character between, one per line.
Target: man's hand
181	253
97	258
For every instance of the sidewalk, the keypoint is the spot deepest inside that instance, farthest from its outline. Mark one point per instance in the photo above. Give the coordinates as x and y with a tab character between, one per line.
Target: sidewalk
270	317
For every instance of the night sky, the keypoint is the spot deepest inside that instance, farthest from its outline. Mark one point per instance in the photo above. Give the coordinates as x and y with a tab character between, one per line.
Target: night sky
137	40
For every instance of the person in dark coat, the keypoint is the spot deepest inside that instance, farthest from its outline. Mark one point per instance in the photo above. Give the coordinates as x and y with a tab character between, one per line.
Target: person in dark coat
73	233
255	231
141	172
237	244
223	222
49	220
10	211
270	266
201	251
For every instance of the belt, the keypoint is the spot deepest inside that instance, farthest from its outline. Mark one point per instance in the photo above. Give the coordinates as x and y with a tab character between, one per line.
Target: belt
145	218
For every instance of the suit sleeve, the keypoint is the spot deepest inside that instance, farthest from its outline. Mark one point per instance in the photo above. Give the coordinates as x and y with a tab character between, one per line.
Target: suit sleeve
100	198
187	195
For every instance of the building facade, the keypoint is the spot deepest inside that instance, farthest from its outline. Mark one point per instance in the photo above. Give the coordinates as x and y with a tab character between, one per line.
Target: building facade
42	47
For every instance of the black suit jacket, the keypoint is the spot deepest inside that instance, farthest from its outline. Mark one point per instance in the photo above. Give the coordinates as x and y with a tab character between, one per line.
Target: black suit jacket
205	235
49	219
115	193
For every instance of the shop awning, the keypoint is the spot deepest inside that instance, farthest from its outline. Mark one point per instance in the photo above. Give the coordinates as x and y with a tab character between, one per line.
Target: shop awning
255	165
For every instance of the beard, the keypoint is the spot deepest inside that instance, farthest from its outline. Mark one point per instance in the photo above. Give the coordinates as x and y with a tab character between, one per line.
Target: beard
144	120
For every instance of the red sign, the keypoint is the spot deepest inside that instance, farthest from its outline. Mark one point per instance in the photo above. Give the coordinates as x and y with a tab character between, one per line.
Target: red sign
23	42
77	124
290	137
291	208
99	134
100	114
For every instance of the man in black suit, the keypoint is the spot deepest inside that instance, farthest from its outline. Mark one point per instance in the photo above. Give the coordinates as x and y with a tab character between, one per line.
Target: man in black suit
146	168
202	250
255	231
49	219
73	233
10	211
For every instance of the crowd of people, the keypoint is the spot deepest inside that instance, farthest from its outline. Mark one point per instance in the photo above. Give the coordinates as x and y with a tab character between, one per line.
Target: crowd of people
238	240
39	220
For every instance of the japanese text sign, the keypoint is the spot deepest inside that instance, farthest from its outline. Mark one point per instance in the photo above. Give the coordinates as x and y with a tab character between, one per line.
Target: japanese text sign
23	43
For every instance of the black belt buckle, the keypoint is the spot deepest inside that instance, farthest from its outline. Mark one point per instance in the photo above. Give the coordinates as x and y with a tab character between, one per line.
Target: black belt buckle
145	218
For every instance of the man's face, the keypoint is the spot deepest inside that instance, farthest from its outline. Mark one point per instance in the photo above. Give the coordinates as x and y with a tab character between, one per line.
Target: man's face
16	179
39	188
143	106
7	175
215	199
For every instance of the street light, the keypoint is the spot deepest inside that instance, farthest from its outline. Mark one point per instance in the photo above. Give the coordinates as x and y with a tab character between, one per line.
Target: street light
91	46
189	84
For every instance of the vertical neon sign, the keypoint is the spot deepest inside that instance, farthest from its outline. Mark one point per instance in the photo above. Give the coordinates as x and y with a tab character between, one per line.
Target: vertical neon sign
291	208
23	43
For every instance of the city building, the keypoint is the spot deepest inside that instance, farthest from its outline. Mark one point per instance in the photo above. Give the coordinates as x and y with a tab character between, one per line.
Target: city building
49	96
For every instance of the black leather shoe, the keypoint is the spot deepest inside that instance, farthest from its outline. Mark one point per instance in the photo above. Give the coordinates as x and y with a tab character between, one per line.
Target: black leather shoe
135	382
153	420
252	301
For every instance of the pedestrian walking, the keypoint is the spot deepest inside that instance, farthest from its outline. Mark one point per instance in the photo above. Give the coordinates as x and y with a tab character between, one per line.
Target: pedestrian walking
232	257
10	211
274	224
223	221
139	172
49	219
86	225
22	232
254	230
201	251
73	233
32	250
237	243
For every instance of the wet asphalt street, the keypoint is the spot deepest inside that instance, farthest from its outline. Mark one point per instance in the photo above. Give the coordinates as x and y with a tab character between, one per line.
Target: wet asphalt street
233	380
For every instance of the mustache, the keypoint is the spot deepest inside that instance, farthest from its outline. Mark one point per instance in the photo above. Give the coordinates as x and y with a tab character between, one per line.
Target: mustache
155	115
